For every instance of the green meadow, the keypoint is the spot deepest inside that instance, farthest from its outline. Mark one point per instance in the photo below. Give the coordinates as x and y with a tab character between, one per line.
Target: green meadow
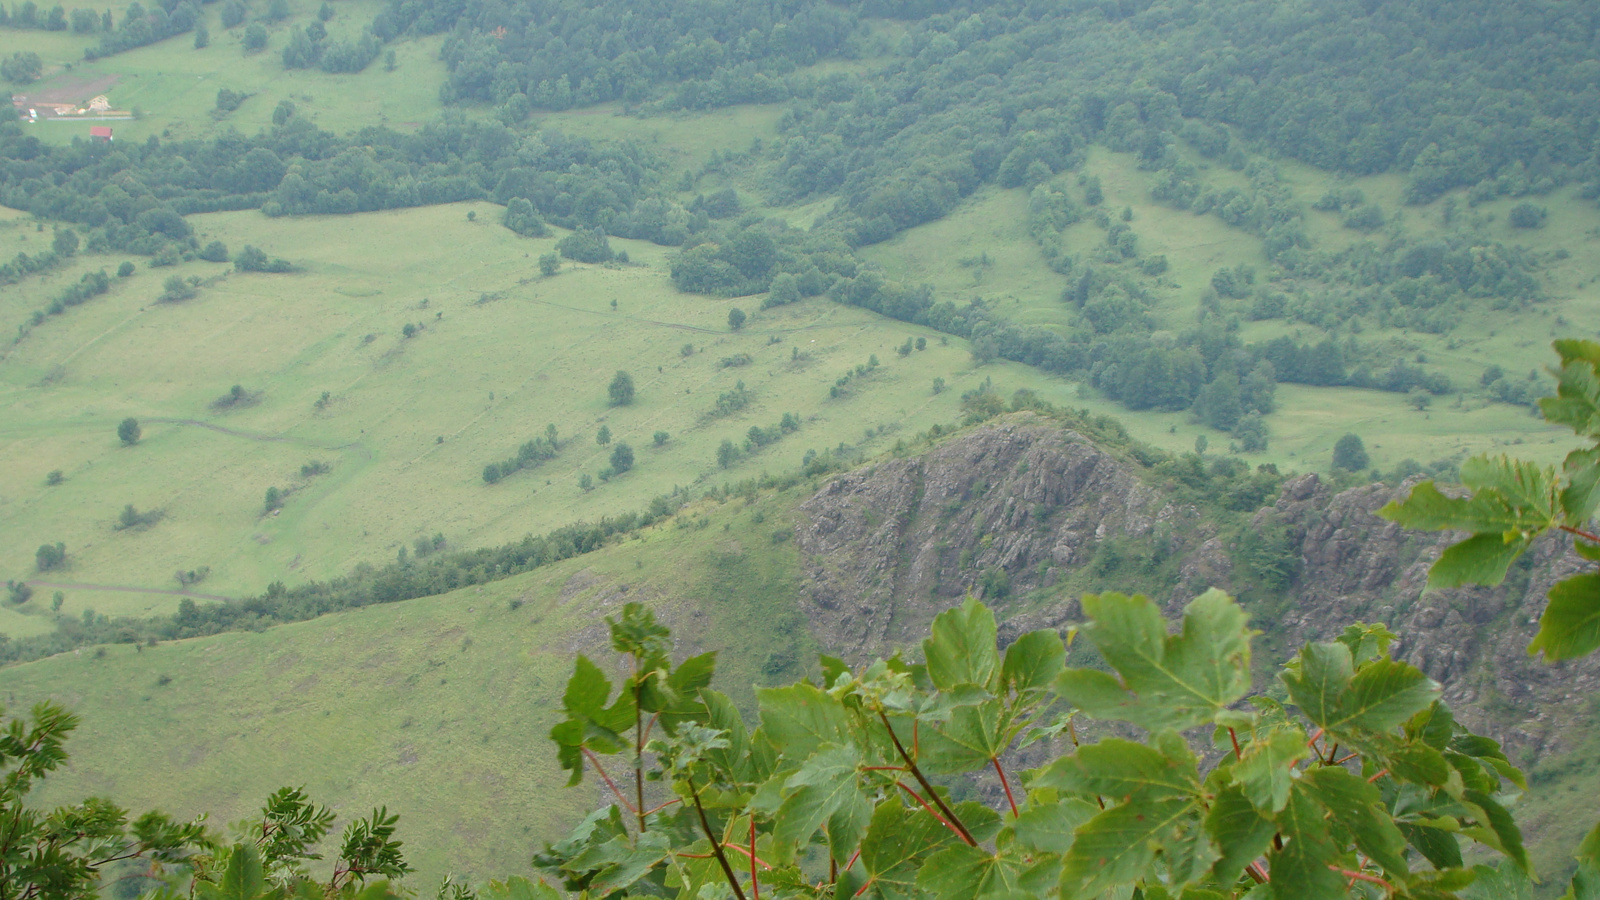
498	353
437	707
173	86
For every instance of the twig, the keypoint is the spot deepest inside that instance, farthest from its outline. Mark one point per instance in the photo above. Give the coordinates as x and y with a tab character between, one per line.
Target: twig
755	886
1362	876
1255	873
1593	538
1232	736
1005	784
916	773
612	784
716	846
924	804
1379	774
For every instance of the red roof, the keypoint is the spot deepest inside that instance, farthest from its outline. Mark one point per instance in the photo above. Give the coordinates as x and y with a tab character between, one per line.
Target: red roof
100	131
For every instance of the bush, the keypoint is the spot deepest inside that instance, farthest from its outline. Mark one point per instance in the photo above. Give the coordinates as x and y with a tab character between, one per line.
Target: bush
1527	215
252	259
55	477
586	247
50	556
660	438
126	270
1350	454
621	389
175	289
621	458
255	37
216	251
736	318
128	431
22	68
549	264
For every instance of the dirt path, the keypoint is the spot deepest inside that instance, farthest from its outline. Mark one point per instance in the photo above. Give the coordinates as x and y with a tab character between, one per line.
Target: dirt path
257	436
122	589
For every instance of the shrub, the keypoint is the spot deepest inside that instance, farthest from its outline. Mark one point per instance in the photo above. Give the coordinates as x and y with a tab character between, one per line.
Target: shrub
1350	454
216	251
1527	215
128	431
736	318
621	389
660	438
50	556
621	458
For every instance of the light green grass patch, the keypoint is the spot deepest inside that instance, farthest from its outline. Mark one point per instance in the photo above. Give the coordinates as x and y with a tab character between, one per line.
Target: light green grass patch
411	423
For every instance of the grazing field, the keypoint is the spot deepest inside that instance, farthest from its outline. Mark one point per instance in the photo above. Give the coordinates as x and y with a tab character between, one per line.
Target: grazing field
437	707
173	86
498	353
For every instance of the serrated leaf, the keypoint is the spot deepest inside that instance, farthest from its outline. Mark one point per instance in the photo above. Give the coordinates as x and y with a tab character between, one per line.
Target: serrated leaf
971	873
1378	697
242	878
1300	869
1265	770
822	786
1437	845
518	888
587	690
622	860
1570	625
1033	661
734	760
1577	400
1367	642
1049	827
1117	846
1123	770
1500	882
960	648
1167	681
1241	833
1585	883
800	718
1358	808
1496	828
1480	559
898	839
1581	496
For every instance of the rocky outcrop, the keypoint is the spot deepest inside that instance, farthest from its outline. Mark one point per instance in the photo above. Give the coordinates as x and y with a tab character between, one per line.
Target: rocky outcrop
1018	505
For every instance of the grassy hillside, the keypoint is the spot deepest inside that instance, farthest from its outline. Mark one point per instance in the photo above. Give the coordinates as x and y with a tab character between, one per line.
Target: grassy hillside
174	86
438	708
410	423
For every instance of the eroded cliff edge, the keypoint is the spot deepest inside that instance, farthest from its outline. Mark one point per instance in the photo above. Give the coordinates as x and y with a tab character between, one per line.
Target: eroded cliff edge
1027	512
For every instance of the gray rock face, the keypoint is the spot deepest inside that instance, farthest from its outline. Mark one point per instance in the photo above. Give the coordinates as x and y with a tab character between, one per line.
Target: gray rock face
1023	503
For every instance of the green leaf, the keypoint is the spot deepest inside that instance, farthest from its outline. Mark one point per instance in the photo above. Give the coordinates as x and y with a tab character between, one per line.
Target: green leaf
734	760
1300	869
898	839
1367	642
800	718
822	786
1049	827
1117	846
1480	559
1500	882
1123	770
242	879
1570	625
1358	808
1167	681
961	647
971	873
518	888
1496	828
621	861
1585	883
1581	496
1437	845
1240	832
1378	697
587	690
1589	850
1265	770
1577	400
1033	661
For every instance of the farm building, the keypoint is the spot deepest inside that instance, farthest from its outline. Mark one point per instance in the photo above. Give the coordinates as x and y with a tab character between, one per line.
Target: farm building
100	133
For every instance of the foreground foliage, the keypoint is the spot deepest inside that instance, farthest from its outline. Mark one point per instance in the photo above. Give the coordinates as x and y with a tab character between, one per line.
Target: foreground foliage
1514	502
1350	779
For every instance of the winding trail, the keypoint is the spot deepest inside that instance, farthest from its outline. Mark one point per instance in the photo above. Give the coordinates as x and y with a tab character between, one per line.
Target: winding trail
124	589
